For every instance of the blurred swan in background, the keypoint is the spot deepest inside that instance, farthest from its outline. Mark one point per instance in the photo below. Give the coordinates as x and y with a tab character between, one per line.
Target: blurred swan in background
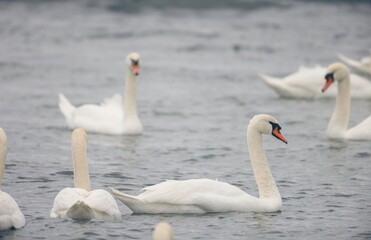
81	203
163	231
10	214
306	81
205	195
362	66
112	116
338	125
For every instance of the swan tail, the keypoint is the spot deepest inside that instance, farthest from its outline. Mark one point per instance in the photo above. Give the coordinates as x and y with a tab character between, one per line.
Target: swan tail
270	81
66	108
80	211
128	200
347	60
276	84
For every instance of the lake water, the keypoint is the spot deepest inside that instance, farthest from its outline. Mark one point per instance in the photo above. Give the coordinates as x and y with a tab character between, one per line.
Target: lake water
197	91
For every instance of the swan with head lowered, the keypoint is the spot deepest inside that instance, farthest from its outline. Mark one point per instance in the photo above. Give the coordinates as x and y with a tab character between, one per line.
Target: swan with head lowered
205	195
305	83
10	214
80	202
112	116
338	125
362	66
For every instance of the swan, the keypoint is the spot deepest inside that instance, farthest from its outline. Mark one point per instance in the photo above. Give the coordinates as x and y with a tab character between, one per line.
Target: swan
305	83
10	214
338	125
81	203
363	66
163	231
112	116
205	195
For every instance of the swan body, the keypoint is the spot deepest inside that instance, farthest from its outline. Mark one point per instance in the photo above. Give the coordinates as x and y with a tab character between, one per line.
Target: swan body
338	125
163	231
362	67
10	214
80	203
113	115
306	81
205	195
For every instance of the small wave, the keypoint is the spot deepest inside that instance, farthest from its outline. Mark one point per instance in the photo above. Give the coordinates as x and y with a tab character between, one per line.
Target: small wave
362	155
67	173
245	5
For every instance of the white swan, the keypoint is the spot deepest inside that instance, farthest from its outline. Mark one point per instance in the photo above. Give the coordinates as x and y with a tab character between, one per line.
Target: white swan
362	67
306	81
80	203
112	116
338	125
204	195
163	231
10	214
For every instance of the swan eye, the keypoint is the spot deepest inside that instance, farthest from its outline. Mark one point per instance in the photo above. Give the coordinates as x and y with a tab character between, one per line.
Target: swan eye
329	76
275	125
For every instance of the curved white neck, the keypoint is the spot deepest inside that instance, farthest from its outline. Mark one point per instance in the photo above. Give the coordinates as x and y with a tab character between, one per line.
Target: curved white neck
80	162
338	124
3	152
263	176
130	95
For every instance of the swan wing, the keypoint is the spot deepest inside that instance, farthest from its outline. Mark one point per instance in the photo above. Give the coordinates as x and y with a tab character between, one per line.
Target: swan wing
104	118
188	191
362	131
103	205
363	66
65	199
10	214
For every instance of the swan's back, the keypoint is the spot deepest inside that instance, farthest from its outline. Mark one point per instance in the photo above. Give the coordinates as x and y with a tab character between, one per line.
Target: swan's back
10	214
77	203
196	196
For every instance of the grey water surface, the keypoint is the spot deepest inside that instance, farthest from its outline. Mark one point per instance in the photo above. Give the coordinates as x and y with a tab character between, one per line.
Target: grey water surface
197	91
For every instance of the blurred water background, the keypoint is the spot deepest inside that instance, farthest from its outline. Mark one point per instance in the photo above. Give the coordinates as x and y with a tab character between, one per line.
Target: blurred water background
197	91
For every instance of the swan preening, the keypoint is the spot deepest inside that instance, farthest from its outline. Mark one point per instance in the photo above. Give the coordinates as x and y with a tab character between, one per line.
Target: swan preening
81	203
10	214
204	195
306	81
112	116
338	125
363	66
163	231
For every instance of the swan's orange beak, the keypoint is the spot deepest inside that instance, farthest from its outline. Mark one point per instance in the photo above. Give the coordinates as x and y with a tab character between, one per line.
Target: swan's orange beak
135	69
279	135
329	80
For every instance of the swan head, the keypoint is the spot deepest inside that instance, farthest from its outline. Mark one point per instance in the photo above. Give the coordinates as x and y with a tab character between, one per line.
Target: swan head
266	124
163	231
335	72
132	61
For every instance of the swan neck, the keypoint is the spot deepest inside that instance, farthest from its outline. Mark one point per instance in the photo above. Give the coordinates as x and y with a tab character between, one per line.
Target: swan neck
130	102
80	163
340	117
3	152
263	176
